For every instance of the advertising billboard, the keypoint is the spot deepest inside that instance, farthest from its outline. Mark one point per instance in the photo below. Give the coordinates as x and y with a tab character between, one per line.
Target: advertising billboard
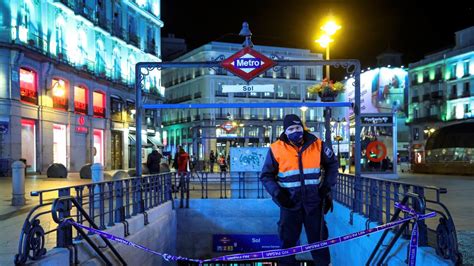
383	90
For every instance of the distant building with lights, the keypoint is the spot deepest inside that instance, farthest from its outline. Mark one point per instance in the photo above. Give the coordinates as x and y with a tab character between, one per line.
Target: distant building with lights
67	70
202	130
442	94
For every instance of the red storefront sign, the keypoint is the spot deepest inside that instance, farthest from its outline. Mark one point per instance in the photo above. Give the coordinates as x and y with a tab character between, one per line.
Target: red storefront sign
81	128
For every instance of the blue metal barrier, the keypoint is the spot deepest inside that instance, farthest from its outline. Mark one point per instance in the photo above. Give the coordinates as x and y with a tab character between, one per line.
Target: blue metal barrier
104	203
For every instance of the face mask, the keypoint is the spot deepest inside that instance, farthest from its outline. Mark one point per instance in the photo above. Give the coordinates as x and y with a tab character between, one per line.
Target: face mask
296	137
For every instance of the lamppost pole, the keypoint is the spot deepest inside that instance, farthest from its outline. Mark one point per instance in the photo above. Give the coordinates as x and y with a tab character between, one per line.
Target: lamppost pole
329	29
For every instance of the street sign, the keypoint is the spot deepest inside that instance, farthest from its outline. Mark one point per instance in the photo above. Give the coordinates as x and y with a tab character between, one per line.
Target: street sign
248	88
245	243
376	119
3	127
247	63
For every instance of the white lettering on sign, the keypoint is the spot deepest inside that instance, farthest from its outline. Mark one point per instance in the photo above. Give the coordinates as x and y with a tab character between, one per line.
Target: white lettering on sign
248	62
248	88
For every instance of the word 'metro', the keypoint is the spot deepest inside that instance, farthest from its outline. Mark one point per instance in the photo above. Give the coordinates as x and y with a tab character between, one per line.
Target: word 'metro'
248	62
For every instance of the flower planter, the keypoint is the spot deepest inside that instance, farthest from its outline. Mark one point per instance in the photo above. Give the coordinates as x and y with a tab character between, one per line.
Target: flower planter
328	96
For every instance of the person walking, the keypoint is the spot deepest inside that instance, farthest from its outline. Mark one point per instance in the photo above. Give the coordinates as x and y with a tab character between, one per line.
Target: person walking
153	161
183	161
343	163
223	164
212	160
292	176
176	158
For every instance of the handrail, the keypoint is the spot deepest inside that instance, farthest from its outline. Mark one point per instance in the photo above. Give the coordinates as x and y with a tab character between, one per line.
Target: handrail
373	198
421	207
64	208
102	204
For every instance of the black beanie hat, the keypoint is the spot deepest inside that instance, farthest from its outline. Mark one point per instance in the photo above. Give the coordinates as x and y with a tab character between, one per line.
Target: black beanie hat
291	120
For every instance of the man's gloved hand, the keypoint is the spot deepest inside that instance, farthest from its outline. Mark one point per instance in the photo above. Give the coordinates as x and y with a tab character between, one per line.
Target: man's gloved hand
283	197
326	197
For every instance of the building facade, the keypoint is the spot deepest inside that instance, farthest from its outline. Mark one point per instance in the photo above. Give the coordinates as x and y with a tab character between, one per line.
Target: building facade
442	94
67	80
203	130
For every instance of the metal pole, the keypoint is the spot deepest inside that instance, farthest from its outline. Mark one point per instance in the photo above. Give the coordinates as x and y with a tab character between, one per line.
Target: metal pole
138	121
358	128
327	66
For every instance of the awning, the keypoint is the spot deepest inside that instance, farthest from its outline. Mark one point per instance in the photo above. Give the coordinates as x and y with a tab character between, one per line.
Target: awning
133	141
155	141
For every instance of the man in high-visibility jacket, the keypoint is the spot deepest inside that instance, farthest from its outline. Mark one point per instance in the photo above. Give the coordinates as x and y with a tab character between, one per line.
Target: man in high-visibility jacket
292	176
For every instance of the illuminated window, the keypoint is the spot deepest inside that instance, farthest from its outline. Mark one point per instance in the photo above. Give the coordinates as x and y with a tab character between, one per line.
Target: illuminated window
28	87
116	64
98	149
80	100
59	94
98	104
116	108
99	58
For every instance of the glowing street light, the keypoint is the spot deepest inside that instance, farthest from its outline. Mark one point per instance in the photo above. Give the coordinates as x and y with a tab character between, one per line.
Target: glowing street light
330	27
58	88
324	41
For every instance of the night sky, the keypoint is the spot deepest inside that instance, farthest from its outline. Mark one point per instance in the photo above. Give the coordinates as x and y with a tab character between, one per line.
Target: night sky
368	27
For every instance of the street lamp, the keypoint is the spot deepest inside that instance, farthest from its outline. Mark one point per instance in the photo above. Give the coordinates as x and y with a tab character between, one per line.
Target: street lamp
303	114
329	28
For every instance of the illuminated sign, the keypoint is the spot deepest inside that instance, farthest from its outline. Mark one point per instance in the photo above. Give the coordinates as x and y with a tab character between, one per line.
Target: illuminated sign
228	126
376	151
248	88
247	63
3	127
81	128
374	120
382	90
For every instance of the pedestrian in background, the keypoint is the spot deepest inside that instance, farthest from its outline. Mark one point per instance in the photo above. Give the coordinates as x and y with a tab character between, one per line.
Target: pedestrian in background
176	157
292	176
153	161
343	163
223	164
212	160
183	161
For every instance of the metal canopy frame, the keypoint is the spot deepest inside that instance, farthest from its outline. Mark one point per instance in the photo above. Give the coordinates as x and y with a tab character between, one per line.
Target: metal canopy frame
143	69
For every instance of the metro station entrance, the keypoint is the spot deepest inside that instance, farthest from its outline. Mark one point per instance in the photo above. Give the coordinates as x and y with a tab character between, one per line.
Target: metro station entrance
231	121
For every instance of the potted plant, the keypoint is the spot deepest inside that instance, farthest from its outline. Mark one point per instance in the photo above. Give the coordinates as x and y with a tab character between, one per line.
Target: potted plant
327	90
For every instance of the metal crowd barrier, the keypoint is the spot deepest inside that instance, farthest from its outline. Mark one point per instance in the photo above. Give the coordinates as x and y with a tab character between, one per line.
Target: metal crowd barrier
95	205
111	202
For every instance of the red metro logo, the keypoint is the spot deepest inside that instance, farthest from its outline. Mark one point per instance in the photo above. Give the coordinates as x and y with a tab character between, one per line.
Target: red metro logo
247	63
228	126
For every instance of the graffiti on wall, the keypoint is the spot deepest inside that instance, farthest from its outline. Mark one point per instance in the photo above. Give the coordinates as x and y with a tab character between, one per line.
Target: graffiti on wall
247	159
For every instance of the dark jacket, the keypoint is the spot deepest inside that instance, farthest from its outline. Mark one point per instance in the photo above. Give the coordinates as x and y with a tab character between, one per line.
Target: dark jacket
298	170
153	162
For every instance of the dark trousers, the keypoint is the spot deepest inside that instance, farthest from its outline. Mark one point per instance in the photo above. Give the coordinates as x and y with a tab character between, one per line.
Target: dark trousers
289	229
211	167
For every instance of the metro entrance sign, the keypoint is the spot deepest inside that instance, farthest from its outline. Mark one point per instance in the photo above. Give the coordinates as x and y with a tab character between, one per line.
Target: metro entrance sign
247	63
